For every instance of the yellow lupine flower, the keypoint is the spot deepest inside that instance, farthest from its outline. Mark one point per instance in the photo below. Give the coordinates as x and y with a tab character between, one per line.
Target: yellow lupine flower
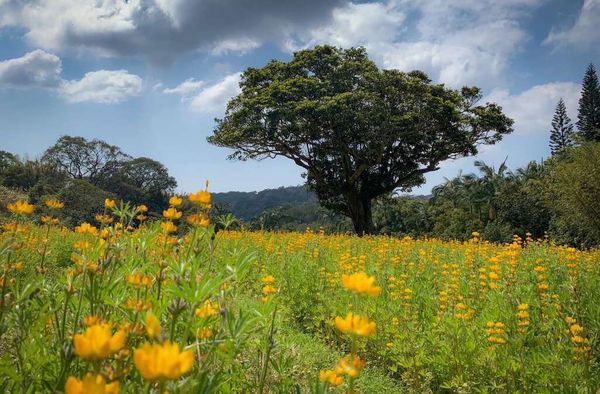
330	376
201	198
355	325
175	201
86	228
172	214
142	208
159	362
97	342
55	204
168	227
21	208
361	283
152	326
207	310
110	204
90	385
200	220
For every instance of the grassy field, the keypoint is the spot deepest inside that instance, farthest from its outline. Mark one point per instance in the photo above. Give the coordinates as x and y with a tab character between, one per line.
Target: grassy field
111	307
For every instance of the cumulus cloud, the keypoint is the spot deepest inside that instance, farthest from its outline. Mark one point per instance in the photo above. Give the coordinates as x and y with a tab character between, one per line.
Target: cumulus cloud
40	69
584	33
104	87
458	42
160	30
186	88
34	69
532	109
214	98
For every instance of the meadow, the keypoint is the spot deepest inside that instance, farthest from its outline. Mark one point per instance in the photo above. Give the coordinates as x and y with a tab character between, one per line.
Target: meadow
129	304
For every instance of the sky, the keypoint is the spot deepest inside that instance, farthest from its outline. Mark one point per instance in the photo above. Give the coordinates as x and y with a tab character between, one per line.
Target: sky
150	76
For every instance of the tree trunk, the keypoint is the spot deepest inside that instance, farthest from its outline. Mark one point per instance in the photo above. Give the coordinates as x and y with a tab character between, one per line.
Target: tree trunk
360	213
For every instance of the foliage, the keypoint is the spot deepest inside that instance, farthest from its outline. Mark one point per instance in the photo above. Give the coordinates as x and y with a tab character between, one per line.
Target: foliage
359	132
573	192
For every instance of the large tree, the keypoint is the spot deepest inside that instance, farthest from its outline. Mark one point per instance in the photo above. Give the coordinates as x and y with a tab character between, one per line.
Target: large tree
561	135
83	159
359	132
588	119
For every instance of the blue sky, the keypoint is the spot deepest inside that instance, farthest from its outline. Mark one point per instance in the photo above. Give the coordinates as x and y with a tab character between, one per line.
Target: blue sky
151	75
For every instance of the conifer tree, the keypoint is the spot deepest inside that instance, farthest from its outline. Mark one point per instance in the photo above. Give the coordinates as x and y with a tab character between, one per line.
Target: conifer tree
588	119
561	135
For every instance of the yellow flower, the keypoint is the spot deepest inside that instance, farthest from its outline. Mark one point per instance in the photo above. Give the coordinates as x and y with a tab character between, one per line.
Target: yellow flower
268	289
104	219
142	208
21	208
361	283
110	204
175	201
168	227
201	198
172	214
199	220
162	361
152	325
268	280
90	385
330	376
350	365
86	228
98	343
355	325
207	310
55	204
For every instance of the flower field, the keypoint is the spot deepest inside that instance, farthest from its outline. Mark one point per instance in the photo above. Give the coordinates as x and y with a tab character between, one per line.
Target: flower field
131	305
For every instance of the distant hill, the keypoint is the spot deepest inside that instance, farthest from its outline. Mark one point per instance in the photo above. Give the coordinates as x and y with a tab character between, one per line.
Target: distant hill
248	205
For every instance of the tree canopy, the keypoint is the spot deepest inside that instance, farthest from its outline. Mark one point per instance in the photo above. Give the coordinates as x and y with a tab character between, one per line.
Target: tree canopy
358	131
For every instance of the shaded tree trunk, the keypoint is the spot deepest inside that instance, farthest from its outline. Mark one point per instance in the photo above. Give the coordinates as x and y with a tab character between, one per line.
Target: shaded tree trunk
360	213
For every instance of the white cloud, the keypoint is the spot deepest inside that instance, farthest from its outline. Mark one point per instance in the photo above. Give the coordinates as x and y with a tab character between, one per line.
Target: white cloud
457	42
532	110
40	69
160	30
353	25
214	98
186	88
35	69
585	32
104	86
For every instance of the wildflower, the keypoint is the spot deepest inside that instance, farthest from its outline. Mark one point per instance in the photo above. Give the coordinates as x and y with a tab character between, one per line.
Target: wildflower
361	283
172	214
98	343
110	204
55	204
355	325
86	228
104	219
175	201
90	384
268	280
207	310
268	289
21	208
350	365
331	377
201	198
142	208
168	227
160	362
204	333
199	220
91	320
152	325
